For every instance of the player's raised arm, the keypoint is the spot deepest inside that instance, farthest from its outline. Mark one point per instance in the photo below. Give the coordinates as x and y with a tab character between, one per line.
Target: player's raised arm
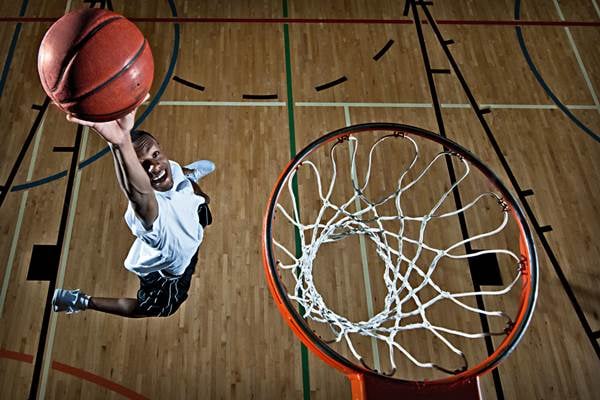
134	181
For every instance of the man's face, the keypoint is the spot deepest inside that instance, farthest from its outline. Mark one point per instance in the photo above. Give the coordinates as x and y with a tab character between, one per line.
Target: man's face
155	163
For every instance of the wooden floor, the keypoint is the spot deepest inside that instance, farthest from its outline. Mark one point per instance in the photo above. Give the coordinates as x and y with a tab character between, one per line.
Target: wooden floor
228	341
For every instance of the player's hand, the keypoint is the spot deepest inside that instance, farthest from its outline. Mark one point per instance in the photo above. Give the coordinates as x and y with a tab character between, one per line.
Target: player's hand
114	132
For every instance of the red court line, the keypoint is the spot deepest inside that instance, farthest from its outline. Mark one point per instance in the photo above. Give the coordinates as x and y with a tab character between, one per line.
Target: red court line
482	22
78	373
98	380
13	355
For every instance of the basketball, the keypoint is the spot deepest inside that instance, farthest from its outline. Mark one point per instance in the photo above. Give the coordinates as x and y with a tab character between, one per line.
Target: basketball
95	64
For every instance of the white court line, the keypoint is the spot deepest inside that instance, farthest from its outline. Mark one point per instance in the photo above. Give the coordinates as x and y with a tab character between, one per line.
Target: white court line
371	105
444	105
363	252
62	266
596	7
223	103
538	107
47	357
20	216
588	82
368	105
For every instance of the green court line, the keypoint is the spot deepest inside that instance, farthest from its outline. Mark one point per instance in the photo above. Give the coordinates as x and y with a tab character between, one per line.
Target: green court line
292	131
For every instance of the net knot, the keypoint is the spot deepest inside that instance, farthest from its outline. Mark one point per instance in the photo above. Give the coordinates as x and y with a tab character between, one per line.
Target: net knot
523	265
509	327
504	205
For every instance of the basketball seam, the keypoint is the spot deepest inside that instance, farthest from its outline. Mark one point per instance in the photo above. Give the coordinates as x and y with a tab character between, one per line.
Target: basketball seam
112	78
72	53
108	115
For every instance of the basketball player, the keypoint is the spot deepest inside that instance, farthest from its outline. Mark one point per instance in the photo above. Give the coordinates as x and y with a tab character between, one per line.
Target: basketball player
167	212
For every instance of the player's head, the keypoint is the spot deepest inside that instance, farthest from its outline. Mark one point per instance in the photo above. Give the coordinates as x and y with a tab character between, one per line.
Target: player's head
153	160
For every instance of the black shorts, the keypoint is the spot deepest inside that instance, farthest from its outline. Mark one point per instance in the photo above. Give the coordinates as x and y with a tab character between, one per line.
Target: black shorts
161	296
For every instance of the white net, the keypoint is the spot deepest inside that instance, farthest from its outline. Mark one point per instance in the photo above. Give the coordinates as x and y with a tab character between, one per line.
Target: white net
358	215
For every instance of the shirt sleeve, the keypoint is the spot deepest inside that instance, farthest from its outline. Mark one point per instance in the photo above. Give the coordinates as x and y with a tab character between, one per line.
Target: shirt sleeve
154	236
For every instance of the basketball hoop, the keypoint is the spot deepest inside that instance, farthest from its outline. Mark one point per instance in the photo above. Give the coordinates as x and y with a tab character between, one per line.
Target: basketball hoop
418	266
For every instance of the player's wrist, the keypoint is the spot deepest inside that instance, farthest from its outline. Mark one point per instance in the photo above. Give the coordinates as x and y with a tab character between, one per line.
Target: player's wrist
120	141
118	137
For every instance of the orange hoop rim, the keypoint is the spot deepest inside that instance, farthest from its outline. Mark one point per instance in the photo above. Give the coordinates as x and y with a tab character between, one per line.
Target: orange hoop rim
529	264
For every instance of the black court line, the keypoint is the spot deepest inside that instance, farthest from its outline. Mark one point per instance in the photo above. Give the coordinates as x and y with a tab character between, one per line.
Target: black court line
522	198
35	380
455	192
260	96
331	84
538	76
188	83
440	71
24	149
383	50
12	47
545	228
527	192
596	335
62	149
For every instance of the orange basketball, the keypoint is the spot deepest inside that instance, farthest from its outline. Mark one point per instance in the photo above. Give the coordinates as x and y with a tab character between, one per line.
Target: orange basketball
95	64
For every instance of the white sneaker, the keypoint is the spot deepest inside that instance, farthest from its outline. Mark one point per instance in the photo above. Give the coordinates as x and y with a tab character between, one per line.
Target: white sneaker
71	301
199	169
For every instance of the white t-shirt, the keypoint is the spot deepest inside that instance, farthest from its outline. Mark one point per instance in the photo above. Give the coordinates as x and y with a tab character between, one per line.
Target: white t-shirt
175	234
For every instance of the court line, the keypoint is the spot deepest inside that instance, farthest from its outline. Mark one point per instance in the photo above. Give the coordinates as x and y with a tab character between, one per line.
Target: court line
538	77
8	186
502	158
11	49
47	310
189	84
62	267
586	77
20	216
383	50
292	140
330	21
363	250
78	373
223	103
14	355
101	153
596	7
444	105
443	43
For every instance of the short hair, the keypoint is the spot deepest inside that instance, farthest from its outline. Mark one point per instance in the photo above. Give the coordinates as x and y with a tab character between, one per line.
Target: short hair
142	140
138	135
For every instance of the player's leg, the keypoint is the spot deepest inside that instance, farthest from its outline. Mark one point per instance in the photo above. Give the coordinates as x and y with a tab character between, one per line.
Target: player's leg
73	301
158	296
124	307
